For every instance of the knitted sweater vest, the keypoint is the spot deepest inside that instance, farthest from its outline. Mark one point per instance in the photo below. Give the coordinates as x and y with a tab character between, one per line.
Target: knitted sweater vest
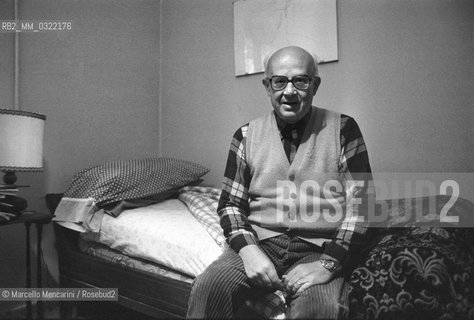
305	197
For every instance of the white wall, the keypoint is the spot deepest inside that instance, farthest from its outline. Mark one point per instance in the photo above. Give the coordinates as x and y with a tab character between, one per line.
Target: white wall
98	84
405	73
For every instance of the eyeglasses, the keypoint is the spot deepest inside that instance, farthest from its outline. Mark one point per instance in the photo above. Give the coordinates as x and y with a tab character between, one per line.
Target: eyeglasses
280	82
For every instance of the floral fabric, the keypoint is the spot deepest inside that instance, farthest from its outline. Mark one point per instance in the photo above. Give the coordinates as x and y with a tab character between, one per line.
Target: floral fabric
416	272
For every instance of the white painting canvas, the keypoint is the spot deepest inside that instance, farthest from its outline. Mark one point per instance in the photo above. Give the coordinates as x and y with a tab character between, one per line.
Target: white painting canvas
263	26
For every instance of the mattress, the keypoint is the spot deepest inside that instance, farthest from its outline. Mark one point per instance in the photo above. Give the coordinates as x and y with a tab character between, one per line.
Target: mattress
103	252
165	233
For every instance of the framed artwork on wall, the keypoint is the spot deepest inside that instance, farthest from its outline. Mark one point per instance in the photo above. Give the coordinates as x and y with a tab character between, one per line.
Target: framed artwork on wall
263	26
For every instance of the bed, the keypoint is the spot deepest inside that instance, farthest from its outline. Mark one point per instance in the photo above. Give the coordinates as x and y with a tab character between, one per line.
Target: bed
149	288
410	269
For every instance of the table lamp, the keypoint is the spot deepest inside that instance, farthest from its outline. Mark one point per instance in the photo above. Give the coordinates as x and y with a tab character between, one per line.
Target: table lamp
21	149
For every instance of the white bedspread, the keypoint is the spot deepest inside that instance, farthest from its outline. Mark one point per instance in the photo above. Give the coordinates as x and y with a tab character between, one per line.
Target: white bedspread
165	233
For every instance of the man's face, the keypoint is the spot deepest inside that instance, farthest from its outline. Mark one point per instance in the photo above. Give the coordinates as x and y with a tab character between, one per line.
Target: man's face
291	104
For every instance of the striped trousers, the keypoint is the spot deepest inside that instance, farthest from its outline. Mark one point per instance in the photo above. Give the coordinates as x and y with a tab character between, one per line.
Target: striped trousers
222	289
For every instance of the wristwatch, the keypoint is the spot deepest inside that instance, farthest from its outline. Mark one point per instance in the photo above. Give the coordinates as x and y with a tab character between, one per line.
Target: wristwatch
330	265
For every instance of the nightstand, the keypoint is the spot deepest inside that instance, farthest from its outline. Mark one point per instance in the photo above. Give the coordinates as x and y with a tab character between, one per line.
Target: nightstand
39	219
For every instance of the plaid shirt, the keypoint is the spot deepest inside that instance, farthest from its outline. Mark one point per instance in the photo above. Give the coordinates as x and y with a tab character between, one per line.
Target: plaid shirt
233	208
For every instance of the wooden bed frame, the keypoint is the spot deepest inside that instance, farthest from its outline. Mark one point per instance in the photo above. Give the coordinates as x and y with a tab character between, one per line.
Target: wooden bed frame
151	294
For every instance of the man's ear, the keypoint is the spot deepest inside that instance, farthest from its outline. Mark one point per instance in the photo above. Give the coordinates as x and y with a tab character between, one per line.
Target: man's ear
266	84
317	82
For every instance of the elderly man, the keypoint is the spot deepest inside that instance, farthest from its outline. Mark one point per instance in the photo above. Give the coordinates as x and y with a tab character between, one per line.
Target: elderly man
290	206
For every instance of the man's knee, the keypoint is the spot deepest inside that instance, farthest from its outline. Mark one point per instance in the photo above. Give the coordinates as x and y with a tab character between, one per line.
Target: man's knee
219	280
216	292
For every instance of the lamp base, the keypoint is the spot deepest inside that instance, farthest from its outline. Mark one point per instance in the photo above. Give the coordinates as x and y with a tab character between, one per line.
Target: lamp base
9	177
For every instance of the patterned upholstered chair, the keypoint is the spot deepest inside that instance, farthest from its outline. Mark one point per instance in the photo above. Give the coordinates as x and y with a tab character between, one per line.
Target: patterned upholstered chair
416	270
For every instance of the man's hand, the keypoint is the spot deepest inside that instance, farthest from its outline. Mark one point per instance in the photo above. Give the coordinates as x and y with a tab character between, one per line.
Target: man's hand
305	275
259	268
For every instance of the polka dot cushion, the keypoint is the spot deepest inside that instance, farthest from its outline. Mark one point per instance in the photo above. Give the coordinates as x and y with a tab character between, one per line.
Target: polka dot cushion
133	179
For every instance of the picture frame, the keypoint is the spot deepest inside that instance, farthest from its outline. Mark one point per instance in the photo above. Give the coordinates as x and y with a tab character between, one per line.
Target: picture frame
263	26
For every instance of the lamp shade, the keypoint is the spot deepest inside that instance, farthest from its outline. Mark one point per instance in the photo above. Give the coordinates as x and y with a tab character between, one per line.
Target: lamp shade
21	140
